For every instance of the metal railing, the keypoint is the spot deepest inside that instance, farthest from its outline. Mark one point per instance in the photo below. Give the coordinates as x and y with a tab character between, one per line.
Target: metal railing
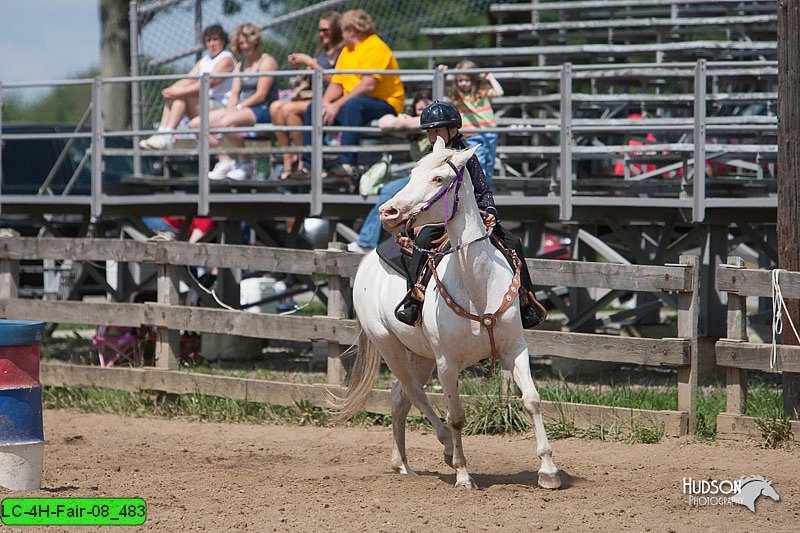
576	137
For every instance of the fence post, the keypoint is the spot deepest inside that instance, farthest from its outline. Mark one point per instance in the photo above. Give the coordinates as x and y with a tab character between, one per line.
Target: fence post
168	341
338	304
9	270
736	378
688	319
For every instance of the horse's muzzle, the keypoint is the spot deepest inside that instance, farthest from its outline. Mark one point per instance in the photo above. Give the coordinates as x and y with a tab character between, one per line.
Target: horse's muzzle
391	219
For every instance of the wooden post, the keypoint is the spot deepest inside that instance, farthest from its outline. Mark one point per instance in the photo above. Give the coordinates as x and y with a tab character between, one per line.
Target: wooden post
168	341
788	168
736	378
9	270
338	304
688	318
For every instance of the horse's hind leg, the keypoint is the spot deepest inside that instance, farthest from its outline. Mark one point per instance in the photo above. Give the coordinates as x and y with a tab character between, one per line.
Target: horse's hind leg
421	369
448	375
548	472
412	372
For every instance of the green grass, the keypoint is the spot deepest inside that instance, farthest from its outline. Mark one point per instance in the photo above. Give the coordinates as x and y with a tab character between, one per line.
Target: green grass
494	412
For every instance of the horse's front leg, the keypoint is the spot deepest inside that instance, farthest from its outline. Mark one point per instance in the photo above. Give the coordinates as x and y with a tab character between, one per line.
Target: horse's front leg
448	375
548	471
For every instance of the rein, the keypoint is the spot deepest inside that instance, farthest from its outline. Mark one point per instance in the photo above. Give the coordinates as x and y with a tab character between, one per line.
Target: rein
488	320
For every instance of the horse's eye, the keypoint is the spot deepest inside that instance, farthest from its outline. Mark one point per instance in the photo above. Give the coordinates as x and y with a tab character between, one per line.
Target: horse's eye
438	179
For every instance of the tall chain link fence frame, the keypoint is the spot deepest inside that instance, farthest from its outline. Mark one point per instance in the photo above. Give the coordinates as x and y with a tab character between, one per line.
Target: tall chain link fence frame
169	40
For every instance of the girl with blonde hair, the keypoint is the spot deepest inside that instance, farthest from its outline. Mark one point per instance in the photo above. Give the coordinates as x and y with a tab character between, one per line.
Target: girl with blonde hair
472	96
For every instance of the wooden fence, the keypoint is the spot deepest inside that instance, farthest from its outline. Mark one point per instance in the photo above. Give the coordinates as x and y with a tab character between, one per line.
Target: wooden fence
168	318
738	355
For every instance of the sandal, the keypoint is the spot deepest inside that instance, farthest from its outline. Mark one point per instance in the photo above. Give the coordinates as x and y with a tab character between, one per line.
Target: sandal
288	167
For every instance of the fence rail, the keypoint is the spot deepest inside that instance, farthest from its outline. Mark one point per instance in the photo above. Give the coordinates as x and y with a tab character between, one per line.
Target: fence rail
338	331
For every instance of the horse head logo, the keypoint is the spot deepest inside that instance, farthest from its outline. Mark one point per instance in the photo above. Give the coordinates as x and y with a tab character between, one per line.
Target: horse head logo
752	488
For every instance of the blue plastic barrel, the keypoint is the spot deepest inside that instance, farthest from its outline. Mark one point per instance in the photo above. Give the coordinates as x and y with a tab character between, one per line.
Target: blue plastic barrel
21	431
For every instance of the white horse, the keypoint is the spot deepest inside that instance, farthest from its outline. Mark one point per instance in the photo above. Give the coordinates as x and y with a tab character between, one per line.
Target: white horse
478	278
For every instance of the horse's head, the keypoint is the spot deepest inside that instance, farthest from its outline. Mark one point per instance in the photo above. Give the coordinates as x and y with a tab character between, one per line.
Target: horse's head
431	191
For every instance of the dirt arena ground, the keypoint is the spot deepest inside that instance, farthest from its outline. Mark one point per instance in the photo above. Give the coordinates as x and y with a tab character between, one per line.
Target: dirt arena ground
220	477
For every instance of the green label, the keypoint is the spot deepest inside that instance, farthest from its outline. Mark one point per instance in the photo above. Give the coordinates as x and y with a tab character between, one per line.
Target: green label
73	511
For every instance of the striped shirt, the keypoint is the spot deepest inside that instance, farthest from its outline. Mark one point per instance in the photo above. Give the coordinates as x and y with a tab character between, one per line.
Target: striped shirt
476	112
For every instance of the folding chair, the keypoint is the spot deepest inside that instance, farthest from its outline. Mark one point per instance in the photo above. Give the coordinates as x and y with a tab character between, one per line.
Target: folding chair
116	343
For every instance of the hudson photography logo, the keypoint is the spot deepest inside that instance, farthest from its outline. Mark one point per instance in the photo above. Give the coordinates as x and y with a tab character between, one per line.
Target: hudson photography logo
744	491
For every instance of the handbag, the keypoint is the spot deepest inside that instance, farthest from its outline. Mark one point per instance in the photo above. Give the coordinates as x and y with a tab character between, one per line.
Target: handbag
376	176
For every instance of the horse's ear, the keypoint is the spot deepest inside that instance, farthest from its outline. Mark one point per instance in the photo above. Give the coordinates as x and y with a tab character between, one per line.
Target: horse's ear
439	145
460	158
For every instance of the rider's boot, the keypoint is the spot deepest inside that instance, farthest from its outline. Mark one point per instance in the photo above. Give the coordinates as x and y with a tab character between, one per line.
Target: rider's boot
533	313
408	310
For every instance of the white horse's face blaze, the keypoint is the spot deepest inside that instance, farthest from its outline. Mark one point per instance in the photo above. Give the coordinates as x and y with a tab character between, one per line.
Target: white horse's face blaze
428	178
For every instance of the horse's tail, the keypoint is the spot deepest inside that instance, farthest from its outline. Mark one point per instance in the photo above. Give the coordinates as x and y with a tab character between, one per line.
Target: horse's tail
359	383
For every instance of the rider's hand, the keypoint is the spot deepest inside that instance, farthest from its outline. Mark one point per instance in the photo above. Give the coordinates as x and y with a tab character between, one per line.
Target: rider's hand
490	220
404	241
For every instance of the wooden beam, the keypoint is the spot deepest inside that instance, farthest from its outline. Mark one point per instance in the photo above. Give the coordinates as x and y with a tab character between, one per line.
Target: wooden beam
756	356
57	374
732	426
751	282
644	278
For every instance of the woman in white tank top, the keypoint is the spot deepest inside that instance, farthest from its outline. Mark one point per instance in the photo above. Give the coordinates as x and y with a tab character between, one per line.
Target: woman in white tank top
183	97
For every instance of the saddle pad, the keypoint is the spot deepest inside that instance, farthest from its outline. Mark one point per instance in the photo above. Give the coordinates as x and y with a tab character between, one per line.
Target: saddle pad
394	256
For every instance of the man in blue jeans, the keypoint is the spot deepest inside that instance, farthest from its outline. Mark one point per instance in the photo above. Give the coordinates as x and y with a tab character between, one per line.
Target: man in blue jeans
370	235
357	99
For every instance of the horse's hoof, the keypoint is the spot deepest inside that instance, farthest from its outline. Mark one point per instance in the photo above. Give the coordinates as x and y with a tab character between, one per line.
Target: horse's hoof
467	484
406	471
549	481
448	460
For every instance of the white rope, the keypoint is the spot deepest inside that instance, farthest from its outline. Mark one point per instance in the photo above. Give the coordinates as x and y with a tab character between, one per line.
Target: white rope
778	307
213	294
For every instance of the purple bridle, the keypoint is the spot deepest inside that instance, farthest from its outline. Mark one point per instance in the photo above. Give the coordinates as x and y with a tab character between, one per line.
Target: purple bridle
454	184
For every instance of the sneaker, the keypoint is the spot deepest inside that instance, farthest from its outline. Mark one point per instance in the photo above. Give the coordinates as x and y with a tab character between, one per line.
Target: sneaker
340	170
159	141
221	169
242	171
355	247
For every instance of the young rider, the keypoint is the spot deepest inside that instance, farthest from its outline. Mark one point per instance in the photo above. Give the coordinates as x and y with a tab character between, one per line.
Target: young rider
442	119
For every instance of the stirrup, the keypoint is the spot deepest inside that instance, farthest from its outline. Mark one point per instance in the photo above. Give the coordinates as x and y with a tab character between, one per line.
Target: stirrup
408	310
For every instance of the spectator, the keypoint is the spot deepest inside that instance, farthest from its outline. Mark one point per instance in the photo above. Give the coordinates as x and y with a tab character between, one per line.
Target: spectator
370	234
248	104
183	97
471	96
198	226
356	99
291	112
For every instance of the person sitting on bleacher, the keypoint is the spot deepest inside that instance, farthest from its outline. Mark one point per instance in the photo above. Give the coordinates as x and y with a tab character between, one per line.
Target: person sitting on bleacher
356	99
248	104
471	96
183	97
291	112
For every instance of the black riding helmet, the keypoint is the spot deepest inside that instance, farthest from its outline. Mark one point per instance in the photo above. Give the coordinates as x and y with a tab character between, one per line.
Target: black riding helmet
440	115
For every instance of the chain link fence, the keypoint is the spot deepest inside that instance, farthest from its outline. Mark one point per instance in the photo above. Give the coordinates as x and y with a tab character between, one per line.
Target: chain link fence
169	40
